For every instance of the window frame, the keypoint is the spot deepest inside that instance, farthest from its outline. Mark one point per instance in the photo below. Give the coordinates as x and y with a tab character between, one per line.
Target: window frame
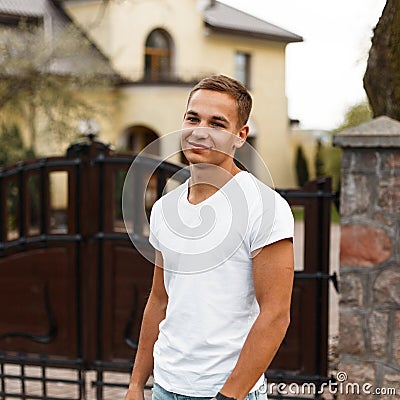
153	70
246	70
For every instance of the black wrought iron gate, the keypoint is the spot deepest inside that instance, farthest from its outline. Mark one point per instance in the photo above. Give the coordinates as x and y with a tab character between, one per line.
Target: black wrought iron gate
73	287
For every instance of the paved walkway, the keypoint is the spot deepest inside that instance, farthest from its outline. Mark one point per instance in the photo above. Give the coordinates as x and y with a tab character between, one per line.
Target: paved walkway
64	390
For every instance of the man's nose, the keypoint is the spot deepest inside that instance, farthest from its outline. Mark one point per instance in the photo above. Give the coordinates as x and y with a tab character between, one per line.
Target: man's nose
201	132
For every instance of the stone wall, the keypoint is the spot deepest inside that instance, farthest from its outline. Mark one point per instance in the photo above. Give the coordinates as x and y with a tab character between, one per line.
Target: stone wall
369	319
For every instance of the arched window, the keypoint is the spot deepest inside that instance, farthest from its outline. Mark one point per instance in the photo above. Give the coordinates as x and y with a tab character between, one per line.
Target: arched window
158	56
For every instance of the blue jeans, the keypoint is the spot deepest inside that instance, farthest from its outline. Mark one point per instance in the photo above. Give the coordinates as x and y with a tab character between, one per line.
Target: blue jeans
160	393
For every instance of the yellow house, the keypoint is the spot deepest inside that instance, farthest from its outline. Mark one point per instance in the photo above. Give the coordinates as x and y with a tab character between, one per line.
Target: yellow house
162	47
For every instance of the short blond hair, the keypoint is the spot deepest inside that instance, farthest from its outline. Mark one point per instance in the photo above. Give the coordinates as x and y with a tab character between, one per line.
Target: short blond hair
232	87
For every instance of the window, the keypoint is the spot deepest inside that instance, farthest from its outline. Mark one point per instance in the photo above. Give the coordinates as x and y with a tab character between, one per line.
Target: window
138	137
15	21
242	68
158	55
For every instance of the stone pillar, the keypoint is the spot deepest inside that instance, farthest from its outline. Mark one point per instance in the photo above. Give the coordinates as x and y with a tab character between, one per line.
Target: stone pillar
369	310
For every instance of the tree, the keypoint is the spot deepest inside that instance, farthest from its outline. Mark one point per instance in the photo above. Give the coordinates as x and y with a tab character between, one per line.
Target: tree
42	80
382	76
12	148
355	116
319	160
301	167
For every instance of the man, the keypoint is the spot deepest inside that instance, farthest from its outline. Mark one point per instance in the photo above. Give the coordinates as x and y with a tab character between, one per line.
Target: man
220	301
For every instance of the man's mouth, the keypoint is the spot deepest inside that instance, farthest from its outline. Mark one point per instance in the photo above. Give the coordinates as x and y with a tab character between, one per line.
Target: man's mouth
198	145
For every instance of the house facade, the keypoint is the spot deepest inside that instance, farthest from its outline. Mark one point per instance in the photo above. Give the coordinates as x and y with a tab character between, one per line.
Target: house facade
161	48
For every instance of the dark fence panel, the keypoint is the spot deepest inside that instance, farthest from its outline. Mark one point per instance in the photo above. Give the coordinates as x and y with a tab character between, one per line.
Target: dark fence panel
303	356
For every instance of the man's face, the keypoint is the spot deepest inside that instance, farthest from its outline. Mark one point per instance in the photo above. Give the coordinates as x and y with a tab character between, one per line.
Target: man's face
211	132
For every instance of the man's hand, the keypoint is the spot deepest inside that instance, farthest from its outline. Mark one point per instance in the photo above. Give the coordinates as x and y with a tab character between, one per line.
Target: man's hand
135	393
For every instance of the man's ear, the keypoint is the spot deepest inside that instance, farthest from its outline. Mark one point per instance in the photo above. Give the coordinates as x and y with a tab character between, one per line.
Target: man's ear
244	131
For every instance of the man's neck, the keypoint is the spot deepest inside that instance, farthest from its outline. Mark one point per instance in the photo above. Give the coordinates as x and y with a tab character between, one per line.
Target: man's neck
205	180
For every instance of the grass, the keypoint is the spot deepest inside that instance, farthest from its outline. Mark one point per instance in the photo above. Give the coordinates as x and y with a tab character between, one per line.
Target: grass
298	213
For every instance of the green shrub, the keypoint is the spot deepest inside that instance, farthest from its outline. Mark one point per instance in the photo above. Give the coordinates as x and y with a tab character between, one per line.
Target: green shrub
302	172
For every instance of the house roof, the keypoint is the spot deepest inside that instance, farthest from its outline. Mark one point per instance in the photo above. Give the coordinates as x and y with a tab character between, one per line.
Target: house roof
223	18
52	10
220	17
23	8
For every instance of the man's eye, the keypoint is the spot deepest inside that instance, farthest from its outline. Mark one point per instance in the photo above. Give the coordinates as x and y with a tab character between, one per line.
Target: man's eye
192	119
218	125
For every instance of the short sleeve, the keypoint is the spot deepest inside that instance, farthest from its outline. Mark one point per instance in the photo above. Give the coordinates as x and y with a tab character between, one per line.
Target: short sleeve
266	232
153	236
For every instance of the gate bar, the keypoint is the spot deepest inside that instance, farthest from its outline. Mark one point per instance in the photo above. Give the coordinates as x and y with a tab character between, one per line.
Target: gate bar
99	295
78	268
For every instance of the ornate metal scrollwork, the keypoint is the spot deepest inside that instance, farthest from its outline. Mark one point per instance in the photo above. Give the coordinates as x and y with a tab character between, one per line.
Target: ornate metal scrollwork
46	338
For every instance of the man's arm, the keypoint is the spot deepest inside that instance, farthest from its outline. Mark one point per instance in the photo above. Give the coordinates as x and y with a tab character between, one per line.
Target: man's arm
154	313
273	280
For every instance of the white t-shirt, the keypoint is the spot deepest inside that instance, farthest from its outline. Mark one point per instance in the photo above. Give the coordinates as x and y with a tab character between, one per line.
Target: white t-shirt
207	251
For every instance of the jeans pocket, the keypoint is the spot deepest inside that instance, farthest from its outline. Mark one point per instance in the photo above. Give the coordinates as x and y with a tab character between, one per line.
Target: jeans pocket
157	392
